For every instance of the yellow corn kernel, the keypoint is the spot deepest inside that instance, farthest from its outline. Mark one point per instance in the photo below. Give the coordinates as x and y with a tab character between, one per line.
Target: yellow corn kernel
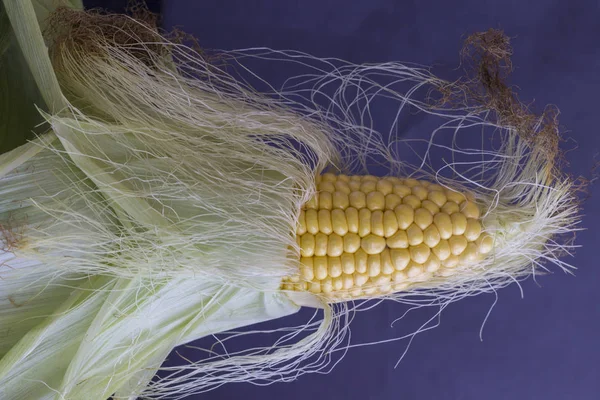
372	244
320	267
405	216
328	177
375	201
326	186
400	258
431	236
314	287
411	200
380	280
398	287
410	182
360	278
459	223
312	221
401	190
347	281
313	202
324	217
354	185
423	277
399	276
415	235
398	241
442	250
414	270
392	201
368	186
343	178
473	229
301	229
420	192
385	288
374	265
364	222
307	268
455	196
458	244
387	266
432	264
342	186
320	244
485	243
423	218
335	245
351	243
360	261
325	201
301	286
352	219
347	261
430	206
339	222
377	222
337	283
371	178
435	186
340	200
307	245
370	290
450	208
390	223
470	254
469	209
437	196
419	253
443	223
327	285
334	267
385	186
358	200
451	262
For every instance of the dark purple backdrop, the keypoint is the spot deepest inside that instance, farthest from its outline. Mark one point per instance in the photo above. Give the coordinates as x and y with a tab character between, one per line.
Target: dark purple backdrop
544	346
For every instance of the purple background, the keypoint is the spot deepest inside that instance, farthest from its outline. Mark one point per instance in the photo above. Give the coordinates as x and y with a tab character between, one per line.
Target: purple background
544	346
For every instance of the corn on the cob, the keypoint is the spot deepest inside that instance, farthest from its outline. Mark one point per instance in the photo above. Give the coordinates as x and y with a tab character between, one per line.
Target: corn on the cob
362	236
179	216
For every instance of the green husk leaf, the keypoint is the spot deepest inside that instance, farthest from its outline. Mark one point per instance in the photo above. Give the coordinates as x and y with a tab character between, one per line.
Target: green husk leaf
29	37
20	73
20	95
5	32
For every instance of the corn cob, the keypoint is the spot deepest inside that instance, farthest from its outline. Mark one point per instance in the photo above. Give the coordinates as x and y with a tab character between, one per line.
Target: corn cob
363	236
